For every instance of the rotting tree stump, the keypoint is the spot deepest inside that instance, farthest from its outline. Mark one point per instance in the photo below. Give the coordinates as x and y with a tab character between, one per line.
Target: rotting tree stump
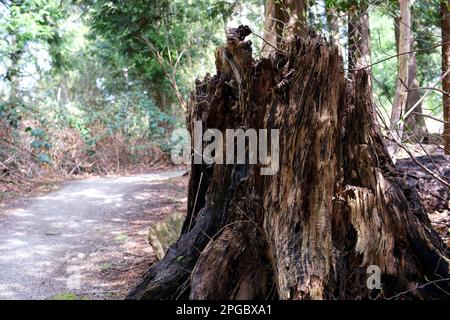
336	206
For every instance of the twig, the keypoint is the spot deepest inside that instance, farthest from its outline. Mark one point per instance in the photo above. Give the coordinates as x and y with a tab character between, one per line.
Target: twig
267	42
430	88
168	75
424	95
418	287
195	201
428	116
3	165
421	165
397	55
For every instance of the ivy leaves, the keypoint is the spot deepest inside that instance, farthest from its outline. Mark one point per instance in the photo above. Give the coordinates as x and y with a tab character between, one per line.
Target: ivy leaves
40	144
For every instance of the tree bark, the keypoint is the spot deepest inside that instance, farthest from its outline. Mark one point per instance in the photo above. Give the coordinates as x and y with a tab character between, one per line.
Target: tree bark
310	231
401	93
445	26
63	91
415	127
332	23
284	19
358	36
13	75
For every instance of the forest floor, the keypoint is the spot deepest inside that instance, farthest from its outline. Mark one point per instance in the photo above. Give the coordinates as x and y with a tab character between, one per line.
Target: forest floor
87	240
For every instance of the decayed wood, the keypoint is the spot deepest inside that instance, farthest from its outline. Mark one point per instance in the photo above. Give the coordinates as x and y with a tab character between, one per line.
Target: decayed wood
164	233
336	206
434	195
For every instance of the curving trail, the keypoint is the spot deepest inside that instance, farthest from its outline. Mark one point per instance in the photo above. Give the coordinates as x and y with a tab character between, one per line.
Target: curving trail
79	241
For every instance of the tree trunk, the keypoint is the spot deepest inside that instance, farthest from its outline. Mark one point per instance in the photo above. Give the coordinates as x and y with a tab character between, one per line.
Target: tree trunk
332	23
401	93
415	127
63	92
311	230
358	37
284	19
445	26
13	75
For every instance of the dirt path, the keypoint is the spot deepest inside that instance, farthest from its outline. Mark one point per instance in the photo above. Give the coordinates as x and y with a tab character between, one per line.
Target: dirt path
86	240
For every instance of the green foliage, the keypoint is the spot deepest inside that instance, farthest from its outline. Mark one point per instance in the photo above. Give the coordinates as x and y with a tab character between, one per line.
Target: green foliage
40	144
10	115
426	28
106	266
345	5
84	67
179	30
61	79
426	33
121	238
383	45
67	296
44	158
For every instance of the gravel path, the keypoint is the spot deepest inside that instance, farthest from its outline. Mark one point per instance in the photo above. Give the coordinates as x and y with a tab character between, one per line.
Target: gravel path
59	243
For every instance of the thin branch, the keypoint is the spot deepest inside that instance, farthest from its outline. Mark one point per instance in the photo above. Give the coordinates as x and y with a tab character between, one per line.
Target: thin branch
178	60
267	42
169	76
421	165
418	287
430	88
428	116
399	54
424	95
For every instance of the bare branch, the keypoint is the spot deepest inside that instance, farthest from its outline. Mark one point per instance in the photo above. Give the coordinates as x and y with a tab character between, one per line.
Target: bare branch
425	94
428	116
431	88
170	76
399	54
440	179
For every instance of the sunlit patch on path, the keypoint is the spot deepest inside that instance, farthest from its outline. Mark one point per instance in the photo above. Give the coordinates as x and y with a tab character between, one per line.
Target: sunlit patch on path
81	240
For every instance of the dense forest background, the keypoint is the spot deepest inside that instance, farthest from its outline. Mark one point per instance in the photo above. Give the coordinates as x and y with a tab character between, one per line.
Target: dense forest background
98	86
